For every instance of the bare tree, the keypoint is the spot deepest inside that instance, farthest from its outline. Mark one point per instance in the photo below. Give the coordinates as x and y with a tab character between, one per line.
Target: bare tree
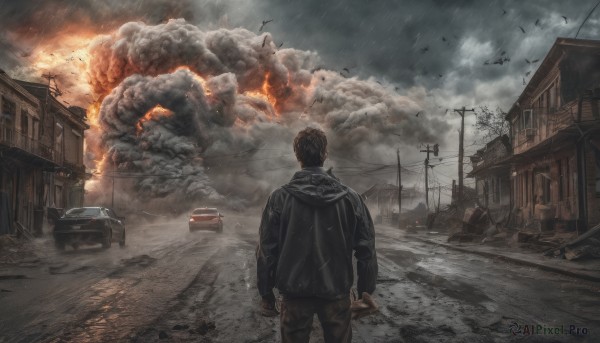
491	123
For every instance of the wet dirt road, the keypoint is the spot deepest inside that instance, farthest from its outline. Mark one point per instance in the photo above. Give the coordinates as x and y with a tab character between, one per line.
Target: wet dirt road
169	285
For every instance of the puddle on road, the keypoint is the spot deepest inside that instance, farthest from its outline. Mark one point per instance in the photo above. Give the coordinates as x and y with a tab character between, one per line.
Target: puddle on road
455	289
403	258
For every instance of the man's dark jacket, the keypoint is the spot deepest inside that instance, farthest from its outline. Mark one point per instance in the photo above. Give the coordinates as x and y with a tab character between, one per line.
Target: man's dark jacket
309	229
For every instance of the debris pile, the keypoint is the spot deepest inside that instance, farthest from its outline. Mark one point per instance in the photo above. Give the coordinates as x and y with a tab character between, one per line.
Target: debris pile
477	224
15	250
586	245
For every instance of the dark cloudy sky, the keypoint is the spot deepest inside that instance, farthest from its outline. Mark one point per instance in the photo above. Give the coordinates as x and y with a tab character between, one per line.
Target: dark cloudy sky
433	48
405	43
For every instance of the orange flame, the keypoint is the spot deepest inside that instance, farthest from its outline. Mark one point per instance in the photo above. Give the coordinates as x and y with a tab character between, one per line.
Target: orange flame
154	113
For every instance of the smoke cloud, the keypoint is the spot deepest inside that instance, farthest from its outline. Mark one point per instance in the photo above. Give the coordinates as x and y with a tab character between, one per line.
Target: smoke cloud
210	115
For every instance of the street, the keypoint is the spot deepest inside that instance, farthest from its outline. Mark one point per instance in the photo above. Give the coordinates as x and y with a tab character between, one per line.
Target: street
170	285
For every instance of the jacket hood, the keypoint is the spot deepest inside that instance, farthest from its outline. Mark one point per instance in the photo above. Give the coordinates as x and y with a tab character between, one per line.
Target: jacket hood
316	186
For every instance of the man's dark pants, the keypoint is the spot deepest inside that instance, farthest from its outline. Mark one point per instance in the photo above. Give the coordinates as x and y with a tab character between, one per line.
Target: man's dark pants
297	318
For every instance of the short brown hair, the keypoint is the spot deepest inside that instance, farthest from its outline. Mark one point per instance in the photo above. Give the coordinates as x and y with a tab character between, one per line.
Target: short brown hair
310	146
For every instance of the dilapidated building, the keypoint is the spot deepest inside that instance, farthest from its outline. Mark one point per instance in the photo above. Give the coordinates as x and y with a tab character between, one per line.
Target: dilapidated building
41	155
67	126
491	172
555	129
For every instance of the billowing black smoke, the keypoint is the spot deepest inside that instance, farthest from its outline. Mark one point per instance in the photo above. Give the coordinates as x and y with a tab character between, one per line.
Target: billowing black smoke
211	115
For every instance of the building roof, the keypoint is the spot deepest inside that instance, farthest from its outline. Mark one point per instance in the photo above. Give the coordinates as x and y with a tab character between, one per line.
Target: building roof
485	161
561	45
75	116
17	87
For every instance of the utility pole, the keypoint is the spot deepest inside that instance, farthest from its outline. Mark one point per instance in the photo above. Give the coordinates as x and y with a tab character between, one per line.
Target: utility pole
435	153
112	201
399	186
461	151
439	198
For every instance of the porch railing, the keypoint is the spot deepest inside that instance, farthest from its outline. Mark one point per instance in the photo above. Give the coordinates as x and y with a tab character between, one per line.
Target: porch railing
15	139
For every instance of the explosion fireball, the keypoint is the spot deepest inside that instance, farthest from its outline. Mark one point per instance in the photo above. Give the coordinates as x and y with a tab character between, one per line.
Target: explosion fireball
182	113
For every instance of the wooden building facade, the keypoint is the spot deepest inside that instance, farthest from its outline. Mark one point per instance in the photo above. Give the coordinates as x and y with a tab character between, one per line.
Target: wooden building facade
555	134
41	166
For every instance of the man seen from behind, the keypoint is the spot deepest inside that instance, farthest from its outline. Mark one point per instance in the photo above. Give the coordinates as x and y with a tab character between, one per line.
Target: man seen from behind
310	229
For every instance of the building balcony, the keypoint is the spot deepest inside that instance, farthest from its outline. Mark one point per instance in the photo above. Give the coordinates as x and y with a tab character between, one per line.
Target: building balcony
12	138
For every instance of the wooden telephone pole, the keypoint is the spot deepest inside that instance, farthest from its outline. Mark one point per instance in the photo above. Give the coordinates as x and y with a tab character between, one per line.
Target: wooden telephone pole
461	151
399	186
435	153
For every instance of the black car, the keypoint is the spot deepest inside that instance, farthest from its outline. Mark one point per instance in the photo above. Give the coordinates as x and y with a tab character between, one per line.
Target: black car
89	225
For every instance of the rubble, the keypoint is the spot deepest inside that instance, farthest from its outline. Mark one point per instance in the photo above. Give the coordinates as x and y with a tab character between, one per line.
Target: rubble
476	225
15	250
586	245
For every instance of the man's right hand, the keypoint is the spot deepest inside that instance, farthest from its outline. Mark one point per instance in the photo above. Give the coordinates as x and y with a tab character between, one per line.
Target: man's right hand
267	306
364	306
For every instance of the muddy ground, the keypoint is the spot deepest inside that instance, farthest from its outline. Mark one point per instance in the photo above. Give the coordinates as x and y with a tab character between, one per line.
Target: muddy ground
170	285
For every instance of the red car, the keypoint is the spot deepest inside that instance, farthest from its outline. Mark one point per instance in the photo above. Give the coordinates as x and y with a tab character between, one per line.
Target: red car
206	218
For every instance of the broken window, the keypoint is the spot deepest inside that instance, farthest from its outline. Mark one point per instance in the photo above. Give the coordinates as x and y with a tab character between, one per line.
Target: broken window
527	119
24	123
561	181
58	139
542	187
8	108
36	128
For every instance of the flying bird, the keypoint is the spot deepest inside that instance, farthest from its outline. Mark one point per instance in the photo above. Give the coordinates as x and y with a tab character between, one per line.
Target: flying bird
501	60
527	73
522	29
264	41
378	82
264	22
416	115
565	18
443	39
535	61
280	45
528	61
424	50
346	70
503	11
537	22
